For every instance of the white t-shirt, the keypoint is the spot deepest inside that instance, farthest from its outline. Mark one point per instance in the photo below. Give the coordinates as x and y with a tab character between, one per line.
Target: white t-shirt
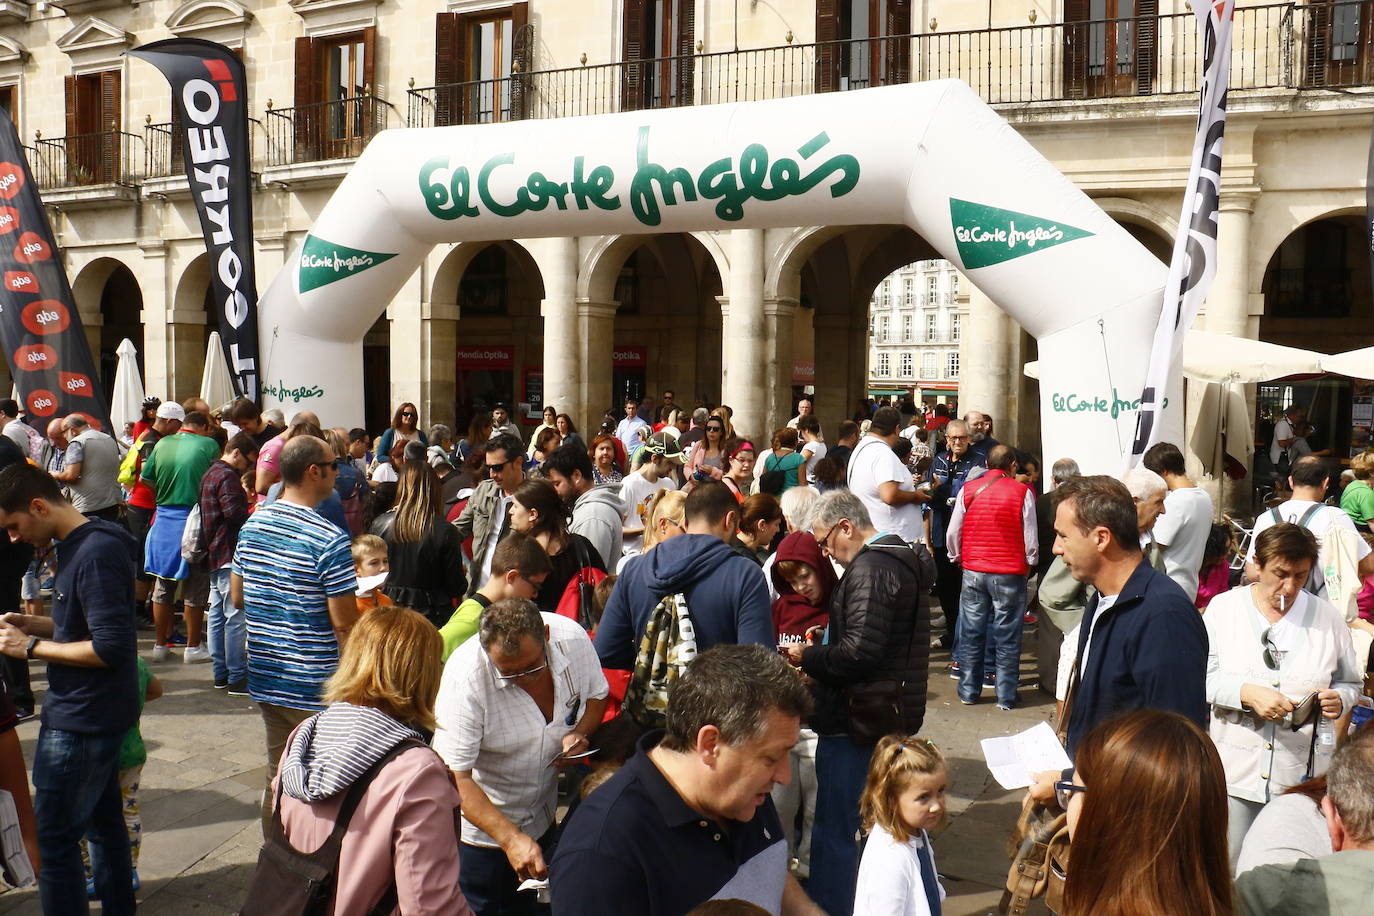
635	493
1320	522
1282	430
890	877
1104	604
814	452
1182	531
872	463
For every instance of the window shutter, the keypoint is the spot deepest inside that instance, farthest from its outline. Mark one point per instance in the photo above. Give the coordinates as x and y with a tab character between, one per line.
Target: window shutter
828	49
73	127
1075	49
450	69
522	59
1318	16
897	51
372	113
110	125
307	120
632	83
1146	45
686	52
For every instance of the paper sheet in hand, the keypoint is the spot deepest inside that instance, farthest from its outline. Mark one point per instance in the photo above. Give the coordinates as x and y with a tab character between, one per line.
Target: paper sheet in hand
1014	759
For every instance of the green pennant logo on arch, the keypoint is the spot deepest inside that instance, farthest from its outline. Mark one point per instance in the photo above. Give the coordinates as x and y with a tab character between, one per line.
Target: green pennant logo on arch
990	235
324	262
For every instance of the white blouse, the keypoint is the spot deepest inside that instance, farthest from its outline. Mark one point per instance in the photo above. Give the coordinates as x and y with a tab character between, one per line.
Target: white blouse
890	876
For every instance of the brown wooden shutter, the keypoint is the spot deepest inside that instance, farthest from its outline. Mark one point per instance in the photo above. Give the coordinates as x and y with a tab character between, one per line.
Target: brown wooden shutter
897	50
1146	45
686	52
632	82
450	68
73	127
1075	49
372	113
521	58
828	49
1318	16
110	126
307	120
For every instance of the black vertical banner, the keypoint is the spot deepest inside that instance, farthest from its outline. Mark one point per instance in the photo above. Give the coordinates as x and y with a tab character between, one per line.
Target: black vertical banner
40	327
209	96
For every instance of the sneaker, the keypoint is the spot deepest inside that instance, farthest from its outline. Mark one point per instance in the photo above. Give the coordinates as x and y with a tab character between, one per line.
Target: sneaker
954	670
221	683
24	713
160	653
1006	707
137	883
968	702
143	621
239	688
195	654
1030	619
990	680
90	887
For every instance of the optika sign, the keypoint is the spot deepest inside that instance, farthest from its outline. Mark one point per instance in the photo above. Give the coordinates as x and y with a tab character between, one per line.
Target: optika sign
989	235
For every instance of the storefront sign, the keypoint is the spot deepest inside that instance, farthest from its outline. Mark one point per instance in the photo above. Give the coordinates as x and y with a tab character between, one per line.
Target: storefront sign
628	358
486	358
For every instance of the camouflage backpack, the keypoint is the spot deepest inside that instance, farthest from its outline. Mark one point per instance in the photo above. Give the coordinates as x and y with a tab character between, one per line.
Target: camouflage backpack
668	644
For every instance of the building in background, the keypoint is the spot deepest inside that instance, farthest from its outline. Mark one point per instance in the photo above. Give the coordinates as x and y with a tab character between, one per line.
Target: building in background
916	321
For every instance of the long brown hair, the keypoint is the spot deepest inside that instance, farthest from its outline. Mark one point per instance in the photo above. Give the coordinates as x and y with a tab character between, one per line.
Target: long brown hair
419	503
538	495
396	417
1151	837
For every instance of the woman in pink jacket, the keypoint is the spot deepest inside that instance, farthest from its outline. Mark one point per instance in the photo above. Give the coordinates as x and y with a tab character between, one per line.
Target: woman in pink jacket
404	831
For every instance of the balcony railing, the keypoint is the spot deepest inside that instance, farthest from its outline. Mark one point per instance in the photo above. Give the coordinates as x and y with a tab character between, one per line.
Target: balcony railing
110	157
163	148
1275	46
337	129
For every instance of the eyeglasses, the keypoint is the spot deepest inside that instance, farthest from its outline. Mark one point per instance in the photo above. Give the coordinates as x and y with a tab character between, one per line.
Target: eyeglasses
955	438
825	541
523	674
1063	791
531	583
331	465
1272	655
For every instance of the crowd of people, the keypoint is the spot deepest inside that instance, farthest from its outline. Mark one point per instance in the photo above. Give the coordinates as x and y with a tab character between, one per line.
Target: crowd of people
667	671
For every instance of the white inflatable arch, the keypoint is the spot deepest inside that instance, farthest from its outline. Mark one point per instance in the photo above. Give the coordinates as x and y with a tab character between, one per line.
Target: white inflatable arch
931	156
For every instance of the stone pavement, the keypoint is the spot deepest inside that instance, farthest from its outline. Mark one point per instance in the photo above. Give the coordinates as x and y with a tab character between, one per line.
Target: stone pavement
200	791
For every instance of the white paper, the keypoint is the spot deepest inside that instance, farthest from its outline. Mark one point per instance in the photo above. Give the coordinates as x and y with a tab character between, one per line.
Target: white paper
1014	759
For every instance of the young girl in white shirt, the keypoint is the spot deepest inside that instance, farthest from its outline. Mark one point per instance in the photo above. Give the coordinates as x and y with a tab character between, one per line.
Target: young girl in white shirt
904	798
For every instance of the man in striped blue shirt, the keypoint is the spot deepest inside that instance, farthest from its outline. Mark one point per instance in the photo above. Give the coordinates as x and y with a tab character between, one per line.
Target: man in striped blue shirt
293	578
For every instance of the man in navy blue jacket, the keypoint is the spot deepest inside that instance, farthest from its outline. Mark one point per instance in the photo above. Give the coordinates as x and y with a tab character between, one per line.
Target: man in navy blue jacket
1142	643
90	646
726	593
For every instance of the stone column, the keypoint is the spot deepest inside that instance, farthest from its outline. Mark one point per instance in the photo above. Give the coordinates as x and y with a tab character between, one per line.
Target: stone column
407	348
1228	300
439	370
835	376
779	320
562	386
745	379
596	340
984	360
157	316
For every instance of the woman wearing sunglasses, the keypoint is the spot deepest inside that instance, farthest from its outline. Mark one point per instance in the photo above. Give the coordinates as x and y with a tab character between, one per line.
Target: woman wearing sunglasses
1280	670
708	458
405	425
1146	807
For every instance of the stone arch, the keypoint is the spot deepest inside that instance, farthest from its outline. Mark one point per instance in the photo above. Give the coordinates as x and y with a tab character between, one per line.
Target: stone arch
448	276
782	273
110	302
1266	236
599	265
1148	216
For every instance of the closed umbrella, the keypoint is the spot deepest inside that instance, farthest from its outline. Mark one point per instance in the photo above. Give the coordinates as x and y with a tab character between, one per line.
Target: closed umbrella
216	384
126	400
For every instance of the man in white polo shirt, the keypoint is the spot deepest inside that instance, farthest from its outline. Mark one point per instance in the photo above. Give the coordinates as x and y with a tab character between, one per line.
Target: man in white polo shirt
883	483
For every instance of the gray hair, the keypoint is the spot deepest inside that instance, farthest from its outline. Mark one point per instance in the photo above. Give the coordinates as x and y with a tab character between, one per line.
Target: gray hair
1143	483
837	505
1064	469
274	416
797	505
440	432
734	688
700	416
75	421
505	623
1350	785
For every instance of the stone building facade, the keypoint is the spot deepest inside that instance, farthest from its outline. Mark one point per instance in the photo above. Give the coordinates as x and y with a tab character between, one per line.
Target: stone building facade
916	320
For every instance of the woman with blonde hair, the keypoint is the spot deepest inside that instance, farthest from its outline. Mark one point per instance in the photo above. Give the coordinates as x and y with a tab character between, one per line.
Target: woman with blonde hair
664	519
400	851
425	553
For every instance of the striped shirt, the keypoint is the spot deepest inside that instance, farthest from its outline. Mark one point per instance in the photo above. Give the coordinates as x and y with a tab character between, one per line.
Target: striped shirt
291	561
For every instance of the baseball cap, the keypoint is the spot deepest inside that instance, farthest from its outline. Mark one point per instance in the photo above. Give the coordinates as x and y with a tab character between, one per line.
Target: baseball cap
170	410
664	446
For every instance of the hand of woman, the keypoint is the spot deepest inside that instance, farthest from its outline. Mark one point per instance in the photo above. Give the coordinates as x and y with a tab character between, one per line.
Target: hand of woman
1266	702
794	652
1332	704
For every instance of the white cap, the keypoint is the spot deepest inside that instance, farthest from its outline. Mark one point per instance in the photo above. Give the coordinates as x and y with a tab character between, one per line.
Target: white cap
170	410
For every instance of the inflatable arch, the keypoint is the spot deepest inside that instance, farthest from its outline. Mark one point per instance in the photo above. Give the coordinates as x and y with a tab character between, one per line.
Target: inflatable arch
932	156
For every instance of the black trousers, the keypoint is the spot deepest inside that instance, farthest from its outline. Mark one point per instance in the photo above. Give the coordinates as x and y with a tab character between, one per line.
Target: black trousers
948	583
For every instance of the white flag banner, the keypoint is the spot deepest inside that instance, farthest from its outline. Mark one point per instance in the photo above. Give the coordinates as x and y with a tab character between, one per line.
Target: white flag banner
1194	261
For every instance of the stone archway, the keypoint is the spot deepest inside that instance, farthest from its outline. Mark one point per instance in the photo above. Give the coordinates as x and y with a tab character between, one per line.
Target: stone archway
110	302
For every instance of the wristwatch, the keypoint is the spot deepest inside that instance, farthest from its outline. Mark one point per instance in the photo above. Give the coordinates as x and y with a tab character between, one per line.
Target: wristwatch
33	641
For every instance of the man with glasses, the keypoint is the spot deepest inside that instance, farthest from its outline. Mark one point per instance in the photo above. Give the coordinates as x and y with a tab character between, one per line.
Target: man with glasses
948	473
293	578
516	705
879	632
519	567
486	517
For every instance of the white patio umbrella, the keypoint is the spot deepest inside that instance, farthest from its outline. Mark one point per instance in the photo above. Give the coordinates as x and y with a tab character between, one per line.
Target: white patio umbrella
1210	357
216	384
1355	363
126	401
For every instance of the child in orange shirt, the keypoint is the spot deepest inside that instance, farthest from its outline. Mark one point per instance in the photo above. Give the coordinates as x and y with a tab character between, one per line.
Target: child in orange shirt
370	566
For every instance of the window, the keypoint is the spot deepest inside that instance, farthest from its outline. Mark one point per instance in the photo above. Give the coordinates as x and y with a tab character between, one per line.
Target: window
906	365
930	326
92	147
1109	47
952	364
882	329
932	289
906	327
861	62
884	365
954	326
476	55
929	369
910	295
335	112
9	101
662	32
953	283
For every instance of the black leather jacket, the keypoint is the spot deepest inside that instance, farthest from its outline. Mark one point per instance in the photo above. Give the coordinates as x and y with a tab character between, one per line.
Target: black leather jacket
879	630
425	575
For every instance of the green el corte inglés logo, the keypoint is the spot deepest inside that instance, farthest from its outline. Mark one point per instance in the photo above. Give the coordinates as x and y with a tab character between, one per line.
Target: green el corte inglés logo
324	262
990	235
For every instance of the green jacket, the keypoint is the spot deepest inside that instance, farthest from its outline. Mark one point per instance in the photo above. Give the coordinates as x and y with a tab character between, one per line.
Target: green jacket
1341	884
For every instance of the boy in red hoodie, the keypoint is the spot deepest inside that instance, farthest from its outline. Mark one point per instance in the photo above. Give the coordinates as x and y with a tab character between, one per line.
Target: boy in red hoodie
804	580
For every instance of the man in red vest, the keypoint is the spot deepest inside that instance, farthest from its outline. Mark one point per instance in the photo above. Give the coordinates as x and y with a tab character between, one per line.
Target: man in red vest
992	534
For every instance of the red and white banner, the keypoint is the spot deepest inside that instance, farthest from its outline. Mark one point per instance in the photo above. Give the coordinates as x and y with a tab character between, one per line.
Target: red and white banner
1194	262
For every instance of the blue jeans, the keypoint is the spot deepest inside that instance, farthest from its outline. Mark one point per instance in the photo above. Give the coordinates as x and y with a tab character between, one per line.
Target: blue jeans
991	606
76	783
228	633
841	771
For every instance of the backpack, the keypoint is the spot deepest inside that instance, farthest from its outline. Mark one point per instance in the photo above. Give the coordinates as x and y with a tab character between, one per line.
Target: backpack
578	596
1311	584
134	457
193	545
668	644
288	882
354	500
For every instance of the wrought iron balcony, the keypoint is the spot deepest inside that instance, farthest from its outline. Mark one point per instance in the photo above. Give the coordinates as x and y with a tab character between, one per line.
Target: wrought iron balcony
1275	46
337	129
110	157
